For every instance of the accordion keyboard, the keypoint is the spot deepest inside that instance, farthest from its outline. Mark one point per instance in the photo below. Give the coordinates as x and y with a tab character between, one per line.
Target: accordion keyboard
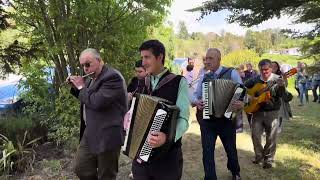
207	98
156	126
236	96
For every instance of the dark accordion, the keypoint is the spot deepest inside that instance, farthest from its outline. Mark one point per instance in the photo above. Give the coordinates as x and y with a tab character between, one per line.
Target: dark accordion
217	96
148	114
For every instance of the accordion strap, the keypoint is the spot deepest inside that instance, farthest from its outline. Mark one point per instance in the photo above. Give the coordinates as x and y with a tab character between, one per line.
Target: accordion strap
162	82
224	71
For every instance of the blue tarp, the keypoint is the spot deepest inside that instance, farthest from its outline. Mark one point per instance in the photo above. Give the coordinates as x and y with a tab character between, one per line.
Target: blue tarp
181	62
9	94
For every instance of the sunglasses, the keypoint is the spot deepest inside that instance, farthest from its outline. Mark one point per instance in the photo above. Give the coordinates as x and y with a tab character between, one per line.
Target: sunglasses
87	65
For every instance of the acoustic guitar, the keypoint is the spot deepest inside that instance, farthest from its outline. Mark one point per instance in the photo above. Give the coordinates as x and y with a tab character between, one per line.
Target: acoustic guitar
260	93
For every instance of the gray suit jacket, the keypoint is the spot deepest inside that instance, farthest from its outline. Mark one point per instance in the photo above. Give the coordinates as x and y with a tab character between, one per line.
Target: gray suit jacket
106	105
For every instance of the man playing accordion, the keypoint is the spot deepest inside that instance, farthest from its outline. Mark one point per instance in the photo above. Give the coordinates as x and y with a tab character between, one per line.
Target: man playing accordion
163	84
211	126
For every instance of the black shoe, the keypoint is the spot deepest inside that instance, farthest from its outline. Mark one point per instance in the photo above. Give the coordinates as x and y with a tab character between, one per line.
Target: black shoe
236	177
267	165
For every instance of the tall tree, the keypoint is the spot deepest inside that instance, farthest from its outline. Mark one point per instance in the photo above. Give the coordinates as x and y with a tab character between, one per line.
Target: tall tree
12	52
183	31
65	28
4	24
253	12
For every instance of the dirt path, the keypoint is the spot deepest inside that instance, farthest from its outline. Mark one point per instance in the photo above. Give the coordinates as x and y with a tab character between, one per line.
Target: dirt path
56	165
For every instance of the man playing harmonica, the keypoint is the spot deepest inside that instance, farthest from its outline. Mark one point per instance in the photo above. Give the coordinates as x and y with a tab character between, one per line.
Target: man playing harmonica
162	83
266	118
213	127
103	100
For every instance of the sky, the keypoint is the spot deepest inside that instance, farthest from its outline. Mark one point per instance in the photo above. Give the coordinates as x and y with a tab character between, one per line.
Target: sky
216	22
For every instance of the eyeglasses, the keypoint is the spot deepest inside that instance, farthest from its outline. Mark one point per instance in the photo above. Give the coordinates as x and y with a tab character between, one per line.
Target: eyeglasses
87	65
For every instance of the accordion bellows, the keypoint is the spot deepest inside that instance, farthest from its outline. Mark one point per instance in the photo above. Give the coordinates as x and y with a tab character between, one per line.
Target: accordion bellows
218	95
149	114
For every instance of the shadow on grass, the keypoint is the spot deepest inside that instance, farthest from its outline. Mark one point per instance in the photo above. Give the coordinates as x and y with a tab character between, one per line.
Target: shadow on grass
300	134
285	169
304	129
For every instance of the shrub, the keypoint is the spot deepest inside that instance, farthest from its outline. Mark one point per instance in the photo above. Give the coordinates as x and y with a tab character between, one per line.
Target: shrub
236	58
65	119
17	156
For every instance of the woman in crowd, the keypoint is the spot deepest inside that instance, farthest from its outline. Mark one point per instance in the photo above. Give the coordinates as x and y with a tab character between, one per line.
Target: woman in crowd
285	109
302	79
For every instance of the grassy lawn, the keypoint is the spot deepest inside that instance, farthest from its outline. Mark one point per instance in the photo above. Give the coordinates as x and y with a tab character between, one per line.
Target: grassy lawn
297	156
287	59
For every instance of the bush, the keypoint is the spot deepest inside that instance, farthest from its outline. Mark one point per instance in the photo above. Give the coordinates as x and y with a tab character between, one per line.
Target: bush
65	119
15	125
17	156
236	58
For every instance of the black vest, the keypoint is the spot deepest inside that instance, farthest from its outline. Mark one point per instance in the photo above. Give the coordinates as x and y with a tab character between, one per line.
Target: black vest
167	88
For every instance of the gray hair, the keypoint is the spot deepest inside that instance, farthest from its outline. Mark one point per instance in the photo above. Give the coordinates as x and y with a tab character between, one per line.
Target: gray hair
92	51
216	51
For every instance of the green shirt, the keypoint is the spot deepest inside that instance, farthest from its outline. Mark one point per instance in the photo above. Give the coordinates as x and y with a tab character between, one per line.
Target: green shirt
182	102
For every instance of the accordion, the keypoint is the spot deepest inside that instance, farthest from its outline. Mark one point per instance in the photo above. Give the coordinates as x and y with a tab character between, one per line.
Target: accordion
148	114
218	95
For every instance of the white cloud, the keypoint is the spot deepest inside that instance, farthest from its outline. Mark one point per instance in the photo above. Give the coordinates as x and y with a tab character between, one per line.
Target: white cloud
216	22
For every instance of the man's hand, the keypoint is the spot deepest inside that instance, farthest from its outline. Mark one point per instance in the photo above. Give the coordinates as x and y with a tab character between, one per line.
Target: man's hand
237	105
156	139
130	95
280	82
199	104
77	81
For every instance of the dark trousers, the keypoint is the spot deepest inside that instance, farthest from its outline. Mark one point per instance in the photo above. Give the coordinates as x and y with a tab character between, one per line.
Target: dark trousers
102	166
226	130
316	85
167	167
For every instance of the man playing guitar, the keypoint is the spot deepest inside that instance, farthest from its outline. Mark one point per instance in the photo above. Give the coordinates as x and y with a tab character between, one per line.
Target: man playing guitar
266	117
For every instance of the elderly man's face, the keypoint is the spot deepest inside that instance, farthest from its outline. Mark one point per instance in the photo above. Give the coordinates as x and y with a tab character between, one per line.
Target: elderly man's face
89	63
266	71
212	61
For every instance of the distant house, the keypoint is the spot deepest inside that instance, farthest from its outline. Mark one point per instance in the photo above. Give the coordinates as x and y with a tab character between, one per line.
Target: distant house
290	51
274	52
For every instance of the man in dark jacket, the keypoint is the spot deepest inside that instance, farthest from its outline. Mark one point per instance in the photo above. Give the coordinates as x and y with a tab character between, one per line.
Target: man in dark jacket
266	118
137	83
103	100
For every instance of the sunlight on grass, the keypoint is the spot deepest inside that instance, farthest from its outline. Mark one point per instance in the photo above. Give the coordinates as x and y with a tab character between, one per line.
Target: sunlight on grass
297	156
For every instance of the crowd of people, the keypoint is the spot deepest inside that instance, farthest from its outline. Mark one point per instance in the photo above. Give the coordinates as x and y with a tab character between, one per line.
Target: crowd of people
104	99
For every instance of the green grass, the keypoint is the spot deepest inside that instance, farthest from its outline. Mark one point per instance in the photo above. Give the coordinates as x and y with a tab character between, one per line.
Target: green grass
287	59
297	156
